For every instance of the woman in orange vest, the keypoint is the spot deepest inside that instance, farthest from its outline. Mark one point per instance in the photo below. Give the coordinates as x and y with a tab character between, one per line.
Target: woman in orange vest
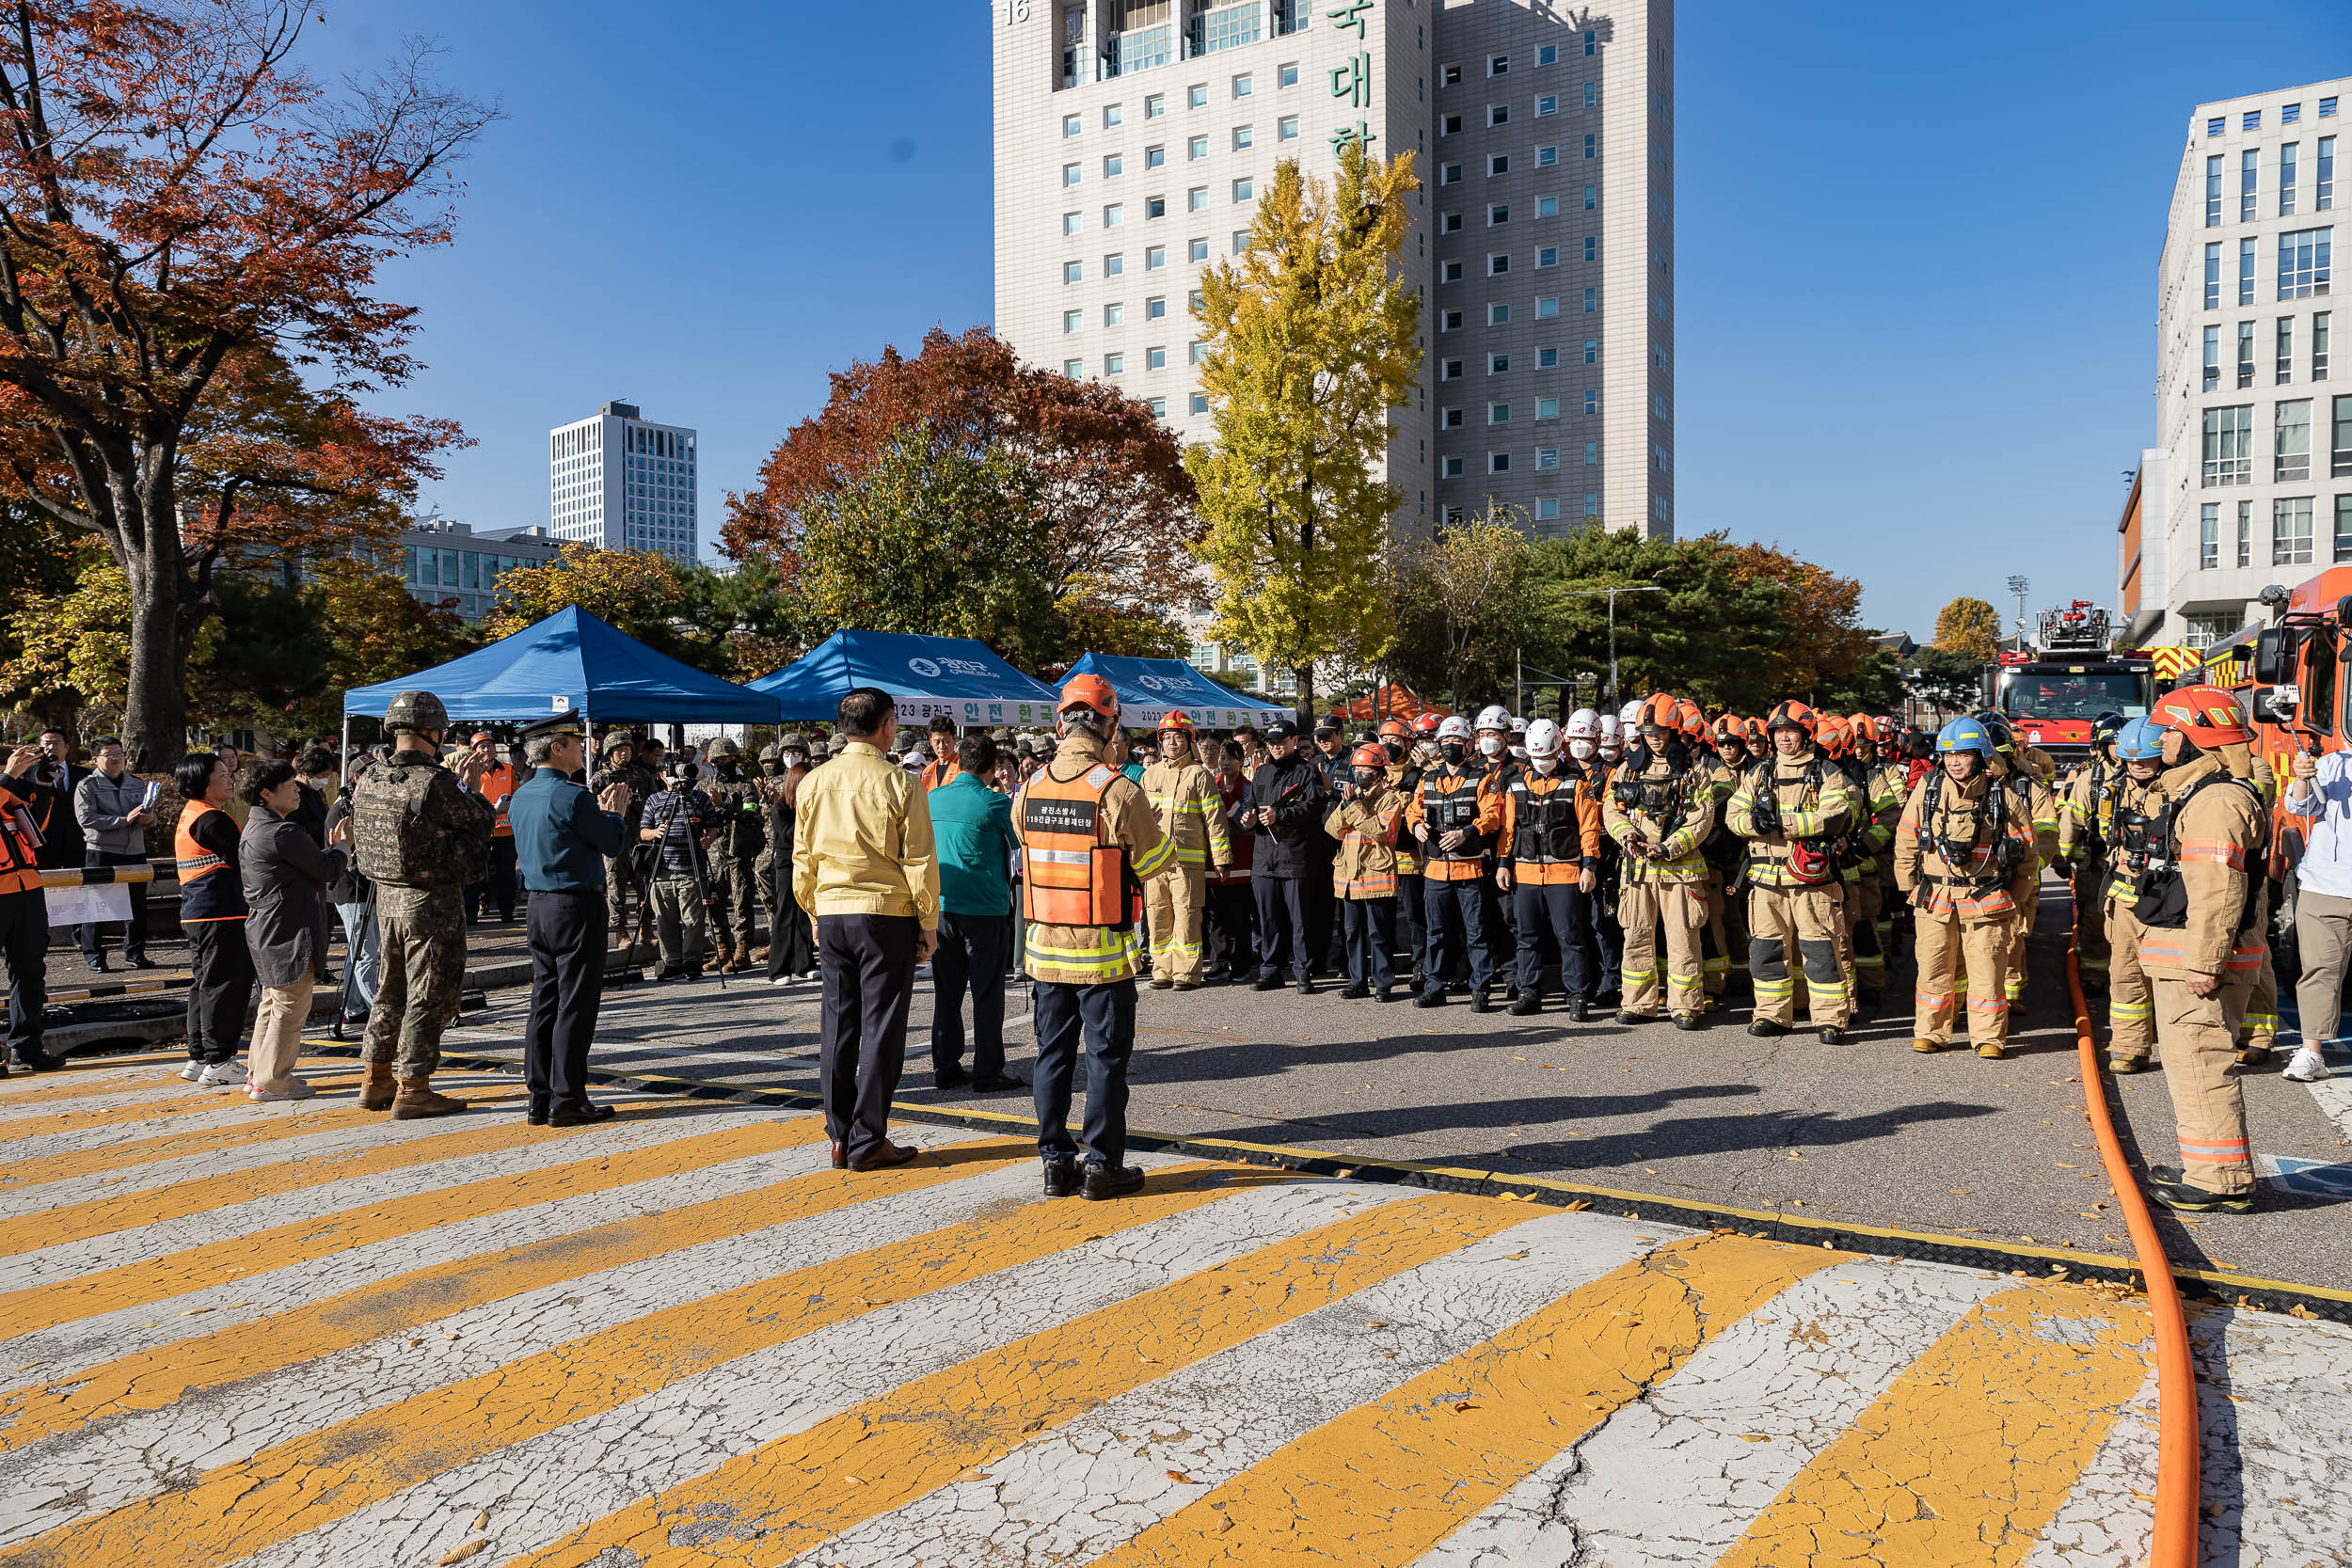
212	912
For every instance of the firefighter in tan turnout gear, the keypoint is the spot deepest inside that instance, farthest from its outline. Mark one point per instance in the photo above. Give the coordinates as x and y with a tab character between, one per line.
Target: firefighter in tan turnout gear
2198	923
1792	810
2086	810
2131	818
1192	813
1659	807
1958	853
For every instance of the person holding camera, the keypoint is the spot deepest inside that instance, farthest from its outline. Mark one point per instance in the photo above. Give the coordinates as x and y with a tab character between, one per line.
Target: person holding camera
354	899
1959	846
676	823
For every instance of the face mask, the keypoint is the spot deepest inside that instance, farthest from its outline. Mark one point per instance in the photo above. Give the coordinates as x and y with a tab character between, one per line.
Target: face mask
1546	765
1369	778
1580	749
1395	750
1519	753
1611	752
1490	745
1452	750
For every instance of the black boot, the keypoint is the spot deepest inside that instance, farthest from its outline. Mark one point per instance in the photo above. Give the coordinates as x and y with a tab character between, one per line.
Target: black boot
1580	1009
1524	1004
1062	1179
1104	1181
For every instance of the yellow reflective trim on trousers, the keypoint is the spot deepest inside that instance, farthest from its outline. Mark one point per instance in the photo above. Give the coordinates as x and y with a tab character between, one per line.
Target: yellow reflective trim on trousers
1967	1455
197	1267
170	1374
790	1490
1397	1476
297	1486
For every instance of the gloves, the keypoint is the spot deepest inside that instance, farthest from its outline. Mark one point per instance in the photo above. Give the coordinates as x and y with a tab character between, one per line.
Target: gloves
1765	814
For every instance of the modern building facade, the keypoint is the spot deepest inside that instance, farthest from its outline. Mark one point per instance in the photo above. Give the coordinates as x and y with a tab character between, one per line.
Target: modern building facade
1133	136
620	482
2249	479
450	566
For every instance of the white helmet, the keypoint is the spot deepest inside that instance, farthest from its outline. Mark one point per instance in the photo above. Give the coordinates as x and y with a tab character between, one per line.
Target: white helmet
1543	738
1612	735
1583	724
1491	717
1455	727
1631	715
1518	725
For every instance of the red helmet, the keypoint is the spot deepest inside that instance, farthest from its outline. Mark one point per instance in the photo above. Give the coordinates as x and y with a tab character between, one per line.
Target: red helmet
1885	731
1790	715
1395	727
1177	719
1427	724
1369	754
2206	714
1089	691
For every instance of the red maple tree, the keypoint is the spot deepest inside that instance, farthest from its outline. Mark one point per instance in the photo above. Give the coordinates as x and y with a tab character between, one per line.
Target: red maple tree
190	229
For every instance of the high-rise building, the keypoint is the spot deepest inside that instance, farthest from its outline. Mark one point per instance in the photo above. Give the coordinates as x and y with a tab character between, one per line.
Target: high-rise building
1132	137
621	482
2249	479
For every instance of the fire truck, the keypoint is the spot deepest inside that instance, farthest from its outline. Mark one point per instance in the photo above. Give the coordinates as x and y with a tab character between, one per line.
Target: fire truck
2052	689
2289	670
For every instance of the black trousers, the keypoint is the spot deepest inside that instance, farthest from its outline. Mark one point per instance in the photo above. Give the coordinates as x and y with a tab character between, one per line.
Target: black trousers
24	943
1564	910
1281	925
1104	1015
222	989
1326	942
972	949
1369	925
1457	917
499	887
791	945
867	961
566	933
1234	921
1410	926
134	937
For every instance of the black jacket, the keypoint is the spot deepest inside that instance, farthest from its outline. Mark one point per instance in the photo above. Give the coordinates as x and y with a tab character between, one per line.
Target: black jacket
62	841
1295	788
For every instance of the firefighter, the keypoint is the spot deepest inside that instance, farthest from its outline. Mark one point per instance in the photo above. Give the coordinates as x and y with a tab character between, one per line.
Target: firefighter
2023	774
1883	796
1367	820
1890	778
2198	922
2086	813
1493	728
1658	809
2258	1033
1088	835
1608	929
1191	810
1727	925
2131	818
1396	739
1792	810
1452	820
1859	956
1546	859
1958	847
1759	741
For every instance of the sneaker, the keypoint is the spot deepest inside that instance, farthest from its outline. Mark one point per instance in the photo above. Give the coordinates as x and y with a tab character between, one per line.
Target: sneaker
300	1091
192	1071
222	1075
2165	1186
2307	1066
785	980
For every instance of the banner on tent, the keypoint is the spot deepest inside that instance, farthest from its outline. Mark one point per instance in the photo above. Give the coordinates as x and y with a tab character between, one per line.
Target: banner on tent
914	707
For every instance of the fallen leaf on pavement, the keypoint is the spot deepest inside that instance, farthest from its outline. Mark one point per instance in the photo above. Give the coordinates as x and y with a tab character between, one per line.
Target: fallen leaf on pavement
459	1554
1181	1479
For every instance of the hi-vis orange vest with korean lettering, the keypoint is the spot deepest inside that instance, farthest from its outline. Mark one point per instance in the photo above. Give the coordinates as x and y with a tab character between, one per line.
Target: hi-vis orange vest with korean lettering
1070	877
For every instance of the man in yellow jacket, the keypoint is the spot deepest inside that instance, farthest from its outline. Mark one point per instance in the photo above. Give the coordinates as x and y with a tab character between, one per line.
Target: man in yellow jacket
1368	821
1658	806
1958	849
1191	812
1089	844
1792	810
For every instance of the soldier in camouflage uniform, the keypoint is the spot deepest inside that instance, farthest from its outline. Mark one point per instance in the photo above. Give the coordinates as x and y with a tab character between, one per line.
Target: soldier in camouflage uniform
621	767
734	889
422	835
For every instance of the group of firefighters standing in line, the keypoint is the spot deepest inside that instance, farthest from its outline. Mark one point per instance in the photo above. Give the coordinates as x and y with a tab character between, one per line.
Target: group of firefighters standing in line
1654	851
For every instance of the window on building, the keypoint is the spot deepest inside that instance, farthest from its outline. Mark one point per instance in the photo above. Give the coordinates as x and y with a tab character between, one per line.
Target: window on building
1547	206
1197	95
2291	531
1547	156
1498	65
1156	105
1074	369
1287	76
1497	113
1071	173
1159	408
1592	400
2285	367
2248	184
1194	352
1071	125
1497	315
2326	108
2246	353
1196	250
1449	125
1156	157
2213	276
1497	364
1449	76
1073	222
1449	272
2343	530
1546	408
1113	217
1592	247
1111	116
1241	83
2324	176
1114	315
2246	271
1114	364
2228	445
1113	163
2251	121
1199	402
1155	358
2213	357
1546	359
2216	126
1449	467
1591	146
1547	256
1591	454
1244	189
2213	190
1592	197
2291	440
1072	320
2303	262
2340	443
1546	457
1498	263
1497	212
1241	240
2209	536
1498	413
1498	462
1155	308
1498	163
1592	300
1449	223
1449	419
1449	370
2319	345
1243	138
1548	103
1155	207
1196	199
2291	114
1449	174
1286	128
2287	158
1448	320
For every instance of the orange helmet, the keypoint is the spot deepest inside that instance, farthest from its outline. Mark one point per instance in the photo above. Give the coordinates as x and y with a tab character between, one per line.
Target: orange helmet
1864	729
1729	729
1394	727
1090	691
1369	754
1660	710
1177	719
1690	719
1884	730
1832	733
2206	714
1791	715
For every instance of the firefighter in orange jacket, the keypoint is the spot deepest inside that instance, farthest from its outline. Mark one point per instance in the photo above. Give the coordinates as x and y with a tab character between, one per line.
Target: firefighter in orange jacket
1454	817
1088	838
1547	860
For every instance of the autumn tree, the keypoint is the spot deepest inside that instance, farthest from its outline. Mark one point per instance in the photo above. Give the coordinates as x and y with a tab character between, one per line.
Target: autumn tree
1821	646
1469	583
1104	478
1309	343
1970	627
179	200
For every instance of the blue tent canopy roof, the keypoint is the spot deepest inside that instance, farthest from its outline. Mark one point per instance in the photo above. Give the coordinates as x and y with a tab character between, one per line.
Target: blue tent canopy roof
925	676
572	662
1151	688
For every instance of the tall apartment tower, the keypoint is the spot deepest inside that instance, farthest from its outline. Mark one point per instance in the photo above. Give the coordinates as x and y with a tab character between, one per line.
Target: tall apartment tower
1132	137
2249	479
619	481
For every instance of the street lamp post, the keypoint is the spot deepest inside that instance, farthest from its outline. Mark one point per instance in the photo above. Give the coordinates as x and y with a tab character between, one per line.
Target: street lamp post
1611	595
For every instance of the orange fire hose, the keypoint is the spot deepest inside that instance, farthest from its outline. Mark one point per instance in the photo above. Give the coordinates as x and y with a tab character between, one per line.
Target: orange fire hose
2178	1475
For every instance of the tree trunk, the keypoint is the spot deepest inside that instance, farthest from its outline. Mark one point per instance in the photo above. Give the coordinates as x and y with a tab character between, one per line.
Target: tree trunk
155	710
1306	674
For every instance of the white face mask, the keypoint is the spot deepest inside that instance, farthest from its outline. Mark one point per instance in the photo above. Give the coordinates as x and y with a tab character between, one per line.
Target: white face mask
1611	752
1545	765
1490	745
1580	749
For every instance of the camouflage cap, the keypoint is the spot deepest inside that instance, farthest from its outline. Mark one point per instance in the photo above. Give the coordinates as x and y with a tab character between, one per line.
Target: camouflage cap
415	710
724	747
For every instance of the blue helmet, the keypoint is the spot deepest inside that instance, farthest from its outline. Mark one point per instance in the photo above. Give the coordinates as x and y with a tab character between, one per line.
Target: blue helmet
1965	734
2140	741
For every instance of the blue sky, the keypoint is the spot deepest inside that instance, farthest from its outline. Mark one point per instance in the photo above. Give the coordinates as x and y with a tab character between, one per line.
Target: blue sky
1916	258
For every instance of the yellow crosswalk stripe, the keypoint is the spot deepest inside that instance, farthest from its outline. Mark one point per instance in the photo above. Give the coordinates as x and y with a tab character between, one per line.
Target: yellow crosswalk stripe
1406	1471
301	1486
1968	1453
796	1492
84	1086
154	1379
150	1110
35	1169
194	1269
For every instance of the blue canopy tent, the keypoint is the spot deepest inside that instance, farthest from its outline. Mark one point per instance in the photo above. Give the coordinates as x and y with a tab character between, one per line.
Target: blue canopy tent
572	662
925	676
1151	688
